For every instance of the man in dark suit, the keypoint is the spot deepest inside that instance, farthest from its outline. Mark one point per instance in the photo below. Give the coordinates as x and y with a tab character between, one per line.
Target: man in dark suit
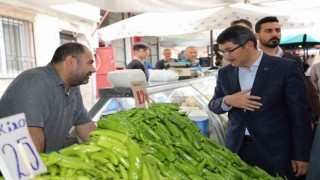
265	97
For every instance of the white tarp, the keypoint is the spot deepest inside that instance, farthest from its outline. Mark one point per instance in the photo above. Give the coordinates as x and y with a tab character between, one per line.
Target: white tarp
157	5
165	24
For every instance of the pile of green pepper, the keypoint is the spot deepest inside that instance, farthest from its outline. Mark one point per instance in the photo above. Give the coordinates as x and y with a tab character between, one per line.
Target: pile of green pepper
159	142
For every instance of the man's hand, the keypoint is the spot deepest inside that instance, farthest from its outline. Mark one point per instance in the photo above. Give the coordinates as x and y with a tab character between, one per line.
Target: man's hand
299	167
242	100
84	130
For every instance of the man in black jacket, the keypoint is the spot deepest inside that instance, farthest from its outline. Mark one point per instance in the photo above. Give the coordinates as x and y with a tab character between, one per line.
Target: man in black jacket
141	52
163	63
268	32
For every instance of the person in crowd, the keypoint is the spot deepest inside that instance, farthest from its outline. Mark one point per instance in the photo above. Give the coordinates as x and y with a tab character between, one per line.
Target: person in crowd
268	32
242	22
313	171
141	52
269	116
219	61
191	55
50	97
162	64
181	55
315	75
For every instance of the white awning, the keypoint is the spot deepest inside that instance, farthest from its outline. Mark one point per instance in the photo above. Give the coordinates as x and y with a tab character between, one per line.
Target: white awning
165	24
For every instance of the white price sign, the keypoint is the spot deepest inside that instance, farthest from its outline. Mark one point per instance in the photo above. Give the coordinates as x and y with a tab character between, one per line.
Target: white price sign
140	93
19	158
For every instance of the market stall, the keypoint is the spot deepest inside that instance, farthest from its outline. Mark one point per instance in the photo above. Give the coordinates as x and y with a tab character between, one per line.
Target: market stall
191	94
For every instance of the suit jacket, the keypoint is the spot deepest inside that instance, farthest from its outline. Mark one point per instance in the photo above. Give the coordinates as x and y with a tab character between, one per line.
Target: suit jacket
281	127
312	90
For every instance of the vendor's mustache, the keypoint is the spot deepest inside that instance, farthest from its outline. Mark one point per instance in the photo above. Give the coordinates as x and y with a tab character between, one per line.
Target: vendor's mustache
274	39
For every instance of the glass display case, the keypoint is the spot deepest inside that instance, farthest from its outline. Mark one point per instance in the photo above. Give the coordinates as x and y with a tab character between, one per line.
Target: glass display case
191	94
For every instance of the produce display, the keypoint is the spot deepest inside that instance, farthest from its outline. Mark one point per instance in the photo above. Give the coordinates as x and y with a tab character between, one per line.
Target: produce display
159	142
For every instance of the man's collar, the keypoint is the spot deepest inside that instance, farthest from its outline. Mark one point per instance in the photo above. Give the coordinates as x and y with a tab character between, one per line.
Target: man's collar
279	52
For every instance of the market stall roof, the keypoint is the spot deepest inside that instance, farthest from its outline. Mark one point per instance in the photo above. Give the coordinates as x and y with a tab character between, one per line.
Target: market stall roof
186	22
158	5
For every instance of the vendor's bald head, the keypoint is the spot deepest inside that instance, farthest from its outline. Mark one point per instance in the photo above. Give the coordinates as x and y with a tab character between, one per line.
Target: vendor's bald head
191	53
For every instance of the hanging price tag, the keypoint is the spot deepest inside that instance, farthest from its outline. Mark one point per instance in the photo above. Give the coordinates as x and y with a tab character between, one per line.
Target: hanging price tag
140	93
19	158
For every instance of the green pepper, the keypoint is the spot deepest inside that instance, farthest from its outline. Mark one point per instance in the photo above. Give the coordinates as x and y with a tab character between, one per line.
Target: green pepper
152	171
153	151
190	136
175	121
211	164
112	125
190	150
150	131
186	157
109	155
110	133
165	138
123	172
212	176
171	127
135	160
168	154
187	169
123	121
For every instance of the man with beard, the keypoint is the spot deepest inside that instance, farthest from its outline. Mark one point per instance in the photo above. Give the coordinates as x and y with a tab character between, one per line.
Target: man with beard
50	97
268	32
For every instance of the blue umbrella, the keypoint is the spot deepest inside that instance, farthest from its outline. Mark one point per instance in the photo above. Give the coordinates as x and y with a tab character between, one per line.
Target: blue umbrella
305	40
300	39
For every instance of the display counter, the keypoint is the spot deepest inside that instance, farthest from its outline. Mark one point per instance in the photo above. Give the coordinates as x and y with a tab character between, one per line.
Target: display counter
191	94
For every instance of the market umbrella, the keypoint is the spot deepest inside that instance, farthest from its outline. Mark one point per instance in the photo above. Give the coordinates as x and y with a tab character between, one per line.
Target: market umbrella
305	40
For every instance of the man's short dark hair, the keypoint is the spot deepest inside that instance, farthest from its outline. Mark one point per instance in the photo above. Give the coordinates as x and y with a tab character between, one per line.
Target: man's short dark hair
138	46
237	35
265	20
244	21
73	49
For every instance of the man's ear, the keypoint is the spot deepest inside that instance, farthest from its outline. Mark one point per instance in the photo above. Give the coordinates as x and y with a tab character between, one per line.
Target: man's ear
257	35
70	61
250	45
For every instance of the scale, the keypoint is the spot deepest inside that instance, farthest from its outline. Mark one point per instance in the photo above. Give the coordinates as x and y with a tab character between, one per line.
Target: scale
185	70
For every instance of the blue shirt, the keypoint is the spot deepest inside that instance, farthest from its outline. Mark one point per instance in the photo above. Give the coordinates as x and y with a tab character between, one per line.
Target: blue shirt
246	78
197	66
148	65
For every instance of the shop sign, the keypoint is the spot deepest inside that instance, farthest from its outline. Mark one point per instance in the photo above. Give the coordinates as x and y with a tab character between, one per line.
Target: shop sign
19	158
140	94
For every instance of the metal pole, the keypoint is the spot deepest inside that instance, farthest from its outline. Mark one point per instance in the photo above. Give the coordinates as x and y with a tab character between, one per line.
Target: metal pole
211	48
101	21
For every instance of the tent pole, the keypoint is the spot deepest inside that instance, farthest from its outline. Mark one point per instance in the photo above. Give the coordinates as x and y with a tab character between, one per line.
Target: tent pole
100	23
211	48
